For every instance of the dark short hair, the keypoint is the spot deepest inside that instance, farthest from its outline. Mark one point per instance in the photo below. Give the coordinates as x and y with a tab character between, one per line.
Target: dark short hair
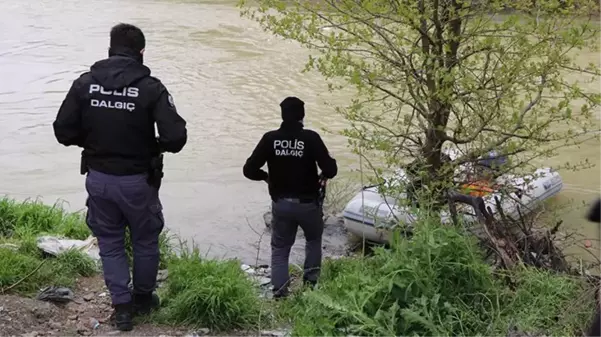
128	36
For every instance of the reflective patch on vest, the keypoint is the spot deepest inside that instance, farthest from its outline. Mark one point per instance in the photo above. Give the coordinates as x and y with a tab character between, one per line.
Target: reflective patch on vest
119	99
289	148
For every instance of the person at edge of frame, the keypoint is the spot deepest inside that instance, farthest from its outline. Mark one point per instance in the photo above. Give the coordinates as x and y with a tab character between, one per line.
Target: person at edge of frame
594	215
291	153
110	112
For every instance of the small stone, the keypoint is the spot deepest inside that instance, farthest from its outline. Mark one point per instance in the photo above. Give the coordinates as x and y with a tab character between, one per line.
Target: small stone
247	269
88	297
113	333
73	317
102	294
30	334
203	331
93	323
55	325
274	333
104	319
83	330
162	275
268	218
43	311
262	281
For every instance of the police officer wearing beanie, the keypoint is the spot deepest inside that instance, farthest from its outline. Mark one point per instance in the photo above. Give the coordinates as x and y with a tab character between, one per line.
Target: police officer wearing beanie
291	153
111	112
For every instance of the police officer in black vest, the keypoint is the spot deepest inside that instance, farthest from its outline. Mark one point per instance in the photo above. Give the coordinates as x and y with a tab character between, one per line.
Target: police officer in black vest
291	153
110	112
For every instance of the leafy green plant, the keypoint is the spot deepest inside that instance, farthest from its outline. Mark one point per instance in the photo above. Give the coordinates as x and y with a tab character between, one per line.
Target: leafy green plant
437	283
471	76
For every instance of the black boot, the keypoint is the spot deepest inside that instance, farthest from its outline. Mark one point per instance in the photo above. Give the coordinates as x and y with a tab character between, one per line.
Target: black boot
123	317
309	283
280	294
145	303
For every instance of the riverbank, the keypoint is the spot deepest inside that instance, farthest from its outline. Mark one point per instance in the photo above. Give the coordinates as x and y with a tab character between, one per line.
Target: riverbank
437	283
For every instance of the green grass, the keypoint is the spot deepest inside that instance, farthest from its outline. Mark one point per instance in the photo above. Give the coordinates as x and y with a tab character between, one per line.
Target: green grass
21	223
22	220
18	268
209	293
435	284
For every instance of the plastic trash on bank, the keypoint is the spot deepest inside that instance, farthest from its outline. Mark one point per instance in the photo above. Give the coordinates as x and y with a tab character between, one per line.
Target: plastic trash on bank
55	246
56	294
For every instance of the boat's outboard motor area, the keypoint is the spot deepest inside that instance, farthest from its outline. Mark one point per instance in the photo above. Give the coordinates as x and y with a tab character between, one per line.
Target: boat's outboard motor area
493	161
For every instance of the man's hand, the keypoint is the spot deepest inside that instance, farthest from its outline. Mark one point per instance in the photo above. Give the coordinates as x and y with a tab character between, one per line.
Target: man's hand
322	180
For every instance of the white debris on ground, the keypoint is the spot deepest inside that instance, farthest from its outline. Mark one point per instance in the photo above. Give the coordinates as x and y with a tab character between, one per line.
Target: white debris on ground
276	333
261	276
55	246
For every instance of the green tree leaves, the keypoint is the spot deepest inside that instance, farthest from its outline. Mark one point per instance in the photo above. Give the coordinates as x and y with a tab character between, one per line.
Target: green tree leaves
435	73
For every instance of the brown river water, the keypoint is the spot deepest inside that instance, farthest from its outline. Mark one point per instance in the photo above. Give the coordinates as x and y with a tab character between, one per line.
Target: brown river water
227	78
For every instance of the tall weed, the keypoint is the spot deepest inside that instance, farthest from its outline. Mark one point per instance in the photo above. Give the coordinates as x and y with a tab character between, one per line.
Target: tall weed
29	218
436	283
209	293
17	271
20	225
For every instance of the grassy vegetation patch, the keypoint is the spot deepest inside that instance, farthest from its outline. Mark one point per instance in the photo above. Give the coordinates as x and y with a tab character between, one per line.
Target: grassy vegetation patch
21	223
437	283
24	268
26	274
23	220
209	293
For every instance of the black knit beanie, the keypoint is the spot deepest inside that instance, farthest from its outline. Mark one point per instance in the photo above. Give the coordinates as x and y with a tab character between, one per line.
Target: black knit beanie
293	109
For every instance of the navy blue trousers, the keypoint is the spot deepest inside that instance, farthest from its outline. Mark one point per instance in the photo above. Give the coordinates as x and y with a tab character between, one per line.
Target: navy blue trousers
288	215
117	202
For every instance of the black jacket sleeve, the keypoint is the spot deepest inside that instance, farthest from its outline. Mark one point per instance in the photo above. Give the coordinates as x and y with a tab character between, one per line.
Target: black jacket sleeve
67	125
326	163
173	134
252	168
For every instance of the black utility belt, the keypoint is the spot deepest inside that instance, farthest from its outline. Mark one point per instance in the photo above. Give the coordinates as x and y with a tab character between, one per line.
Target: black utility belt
298	200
